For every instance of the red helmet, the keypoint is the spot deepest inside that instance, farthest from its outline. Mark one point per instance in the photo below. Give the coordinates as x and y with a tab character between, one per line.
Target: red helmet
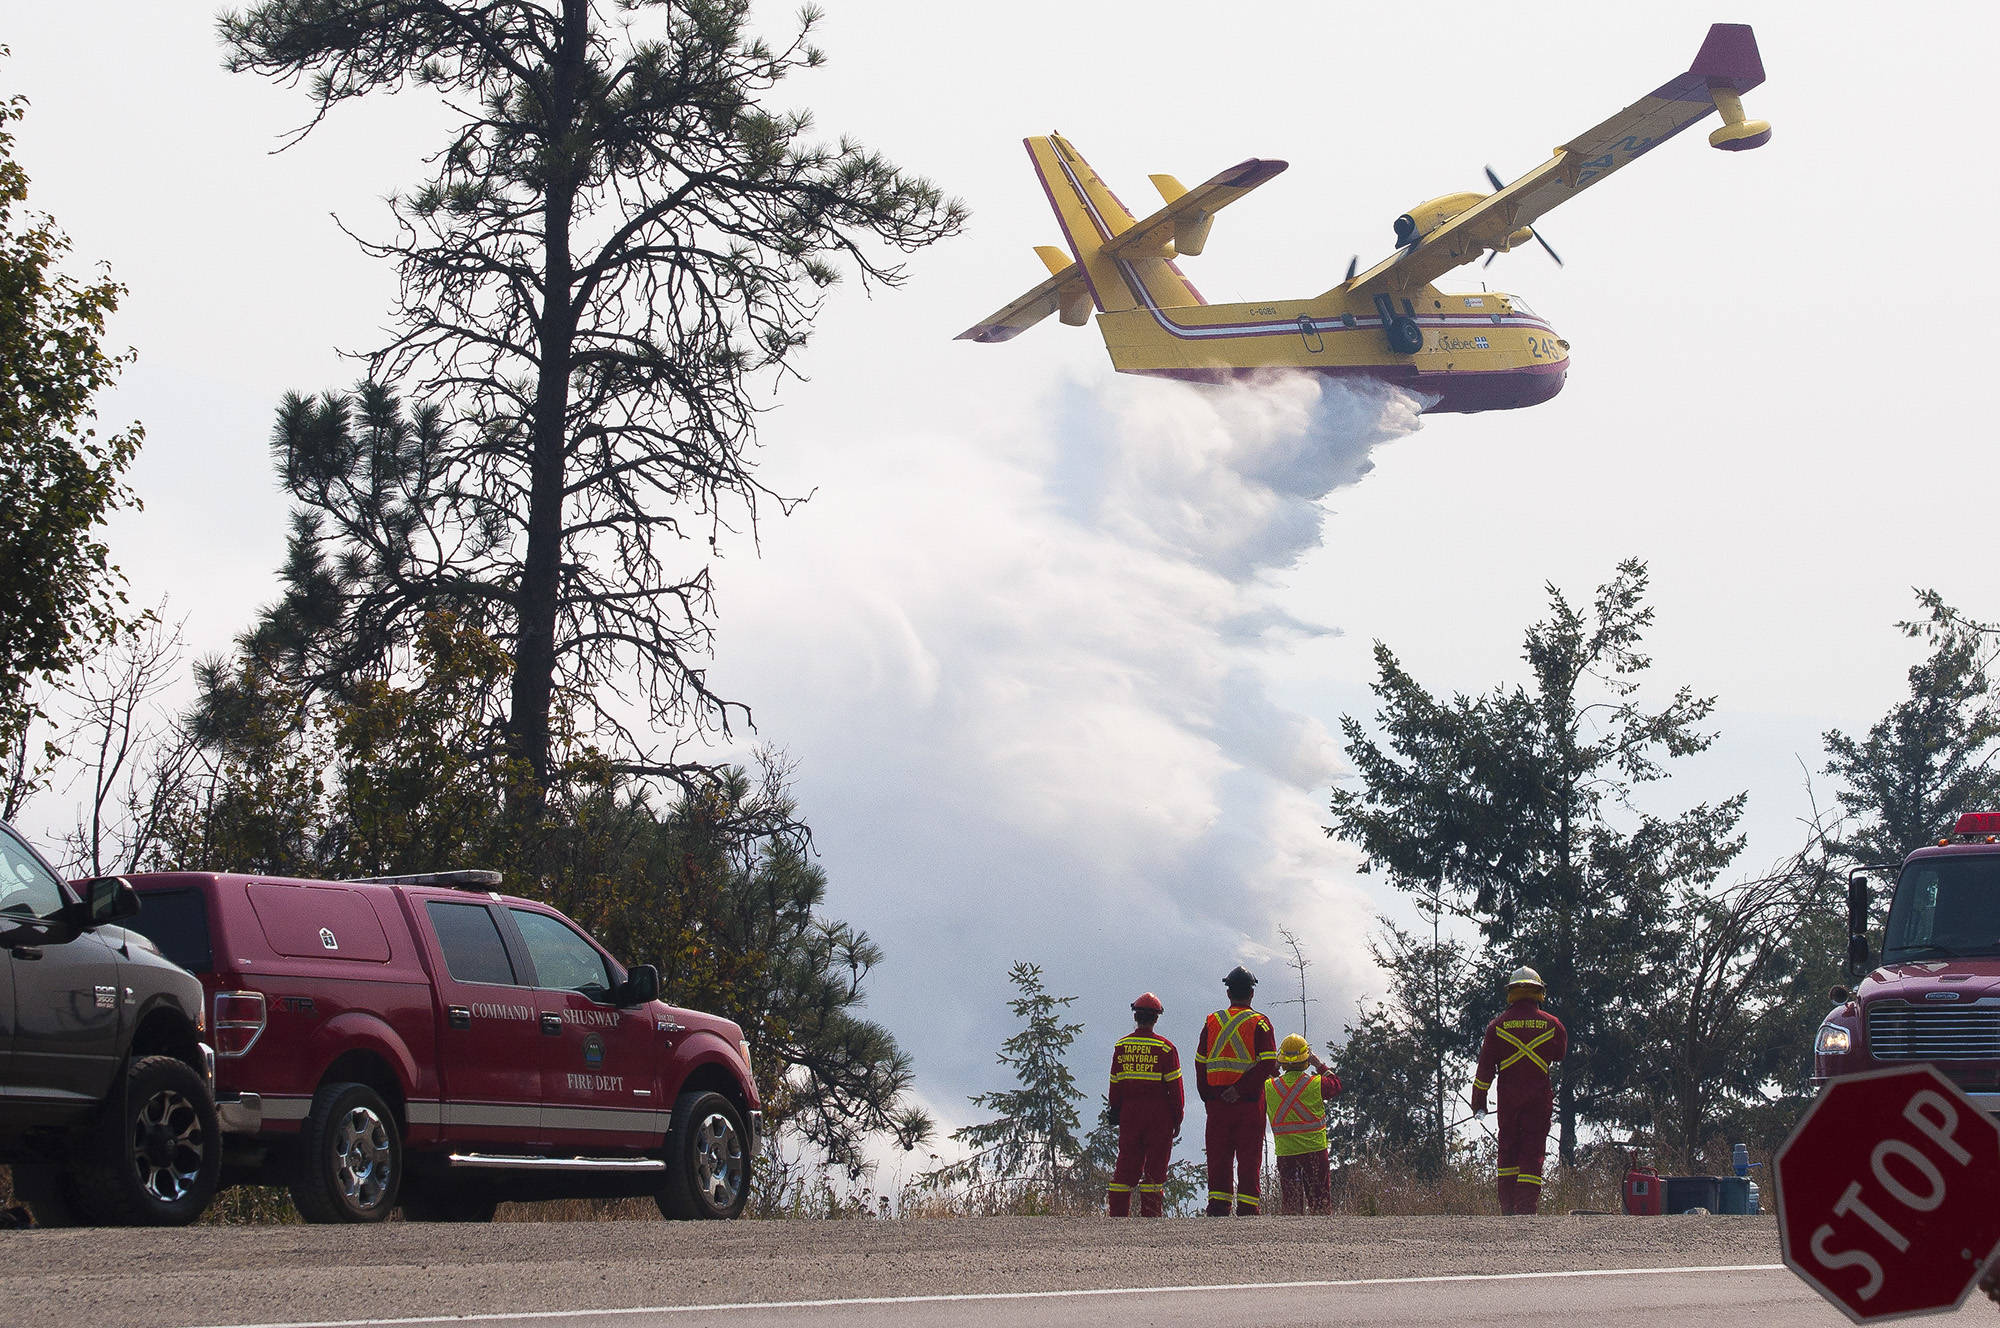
1148	1003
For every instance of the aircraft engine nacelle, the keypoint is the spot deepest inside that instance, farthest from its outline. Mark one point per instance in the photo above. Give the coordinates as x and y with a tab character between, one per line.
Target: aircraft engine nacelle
1427	216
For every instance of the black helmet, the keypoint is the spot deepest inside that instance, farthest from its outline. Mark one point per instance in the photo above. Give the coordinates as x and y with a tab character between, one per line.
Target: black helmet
1239	978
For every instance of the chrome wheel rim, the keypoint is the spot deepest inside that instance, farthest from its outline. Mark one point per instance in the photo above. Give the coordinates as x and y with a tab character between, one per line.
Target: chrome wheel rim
361	1158
718	1161
167	1146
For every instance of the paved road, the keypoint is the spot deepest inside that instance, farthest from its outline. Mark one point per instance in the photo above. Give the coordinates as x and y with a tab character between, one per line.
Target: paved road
1273	1271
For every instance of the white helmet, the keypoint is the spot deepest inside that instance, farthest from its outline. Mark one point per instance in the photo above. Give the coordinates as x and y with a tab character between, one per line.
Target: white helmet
1528	978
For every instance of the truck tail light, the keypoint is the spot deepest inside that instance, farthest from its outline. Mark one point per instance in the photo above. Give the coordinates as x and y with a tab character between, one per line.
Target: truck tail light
239	1021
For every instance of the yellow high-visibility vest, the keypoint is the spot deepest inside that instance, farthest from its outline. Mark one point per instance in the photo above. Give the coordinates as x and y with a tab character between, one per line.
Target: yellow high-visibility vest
1297	1109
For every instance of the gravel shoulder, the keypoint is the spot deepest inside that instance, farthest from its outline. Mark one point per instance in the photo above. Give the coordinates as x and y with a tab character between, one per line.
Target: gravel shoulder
240	1275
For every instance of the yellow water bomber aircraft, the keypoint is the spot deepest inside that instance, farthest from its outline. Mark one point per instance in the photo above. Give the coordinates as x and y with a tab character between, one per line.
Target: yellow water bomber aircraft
1484	351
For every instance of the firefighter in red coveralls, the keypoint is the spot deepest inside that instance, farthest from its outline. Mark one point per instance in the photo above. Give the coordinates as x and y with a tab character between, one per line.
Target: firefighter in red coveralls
1238	1051
1147	1102
1521	1043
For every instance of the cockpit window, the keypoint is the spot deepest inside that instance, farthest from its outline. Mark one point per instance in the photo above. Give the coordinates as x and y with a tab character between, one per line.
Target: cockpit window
1945	908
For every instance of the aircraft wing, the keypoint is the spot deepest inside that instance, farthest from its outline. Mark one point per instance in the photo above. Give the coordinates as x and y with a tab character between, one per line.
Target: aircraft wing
1065	287
1186	214
1727	65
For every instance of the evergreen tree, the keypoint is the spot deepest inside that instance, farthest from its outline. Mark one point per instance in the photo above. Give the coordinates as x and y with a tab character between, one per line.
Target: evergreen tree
1931	757
616	236
1033	1137
60	596
1506	803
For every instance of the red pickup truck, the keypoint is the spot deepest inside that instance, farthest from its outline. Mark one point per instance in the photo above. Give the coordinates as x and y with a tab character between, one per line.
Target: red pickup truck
430	1043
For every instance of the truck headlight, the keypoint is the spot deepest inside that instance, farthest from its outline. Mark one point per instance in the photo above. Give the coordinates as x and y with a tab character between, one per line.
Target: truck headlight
1833	1040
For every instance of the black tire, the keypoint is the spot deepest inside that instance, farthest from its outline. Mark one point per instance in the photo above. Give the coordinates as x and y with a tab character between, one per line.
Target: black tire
44	1189
350	1162
708	1162
154	1153
1405	337
437	1199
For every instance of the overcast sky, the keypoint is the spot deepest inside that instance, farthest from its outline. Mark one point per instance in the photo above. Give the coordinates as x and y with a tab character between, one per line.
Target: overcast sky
1059	653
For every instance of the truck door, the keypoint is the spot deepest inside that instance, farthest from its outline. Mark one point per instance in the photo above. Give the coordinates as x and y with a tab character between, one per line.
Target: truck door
65	995
600	1064
489	1046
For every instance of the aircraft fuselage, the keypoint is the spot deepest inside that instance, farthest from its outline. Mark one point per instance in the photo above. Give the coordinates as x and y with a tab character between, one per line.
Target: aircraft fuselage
1481	351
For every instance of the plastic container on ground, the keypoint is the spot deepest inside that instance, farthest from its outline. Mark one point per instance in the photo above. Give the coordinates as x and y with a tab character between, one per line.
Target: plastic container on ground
1687	1192
1733	1196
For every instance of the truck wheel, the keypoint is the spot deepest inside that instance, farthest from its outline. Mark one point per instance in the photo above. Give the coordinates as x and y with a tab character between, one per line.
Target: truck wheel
154	1153
435	1199
708	1173
350	1162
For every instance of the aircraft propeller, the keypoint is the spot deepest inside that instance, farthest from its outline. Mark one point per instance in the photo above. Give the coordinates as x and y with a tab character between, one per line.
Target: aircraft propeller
1353	264
1499	184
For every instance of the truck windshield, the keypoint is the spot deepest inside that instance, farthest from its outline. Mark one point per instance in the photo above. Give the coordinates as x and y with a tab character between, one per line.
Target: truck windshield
1945	908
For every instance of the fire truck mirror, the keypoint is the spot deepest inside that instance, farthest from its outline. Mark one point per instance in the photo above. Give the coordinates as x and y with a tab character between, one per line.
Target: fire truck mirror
1857	905
1857	953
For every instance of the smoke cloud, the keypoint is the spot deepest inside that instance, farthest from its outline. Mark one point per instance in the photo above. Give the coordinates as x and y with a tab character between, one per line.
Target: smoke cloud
1024	679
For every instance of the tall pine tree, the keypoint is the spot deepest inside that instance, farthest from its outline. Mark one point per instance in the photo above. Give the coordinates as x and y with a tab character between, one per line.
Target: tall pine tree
617	238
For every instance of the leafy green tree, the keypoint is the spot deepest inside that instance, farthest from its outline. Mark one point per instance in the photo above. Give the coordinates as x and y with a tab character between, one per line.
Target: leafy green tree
721	891
1730	1035
1928	759
1404	1065
60	595
1033	1139
615	239
1506	803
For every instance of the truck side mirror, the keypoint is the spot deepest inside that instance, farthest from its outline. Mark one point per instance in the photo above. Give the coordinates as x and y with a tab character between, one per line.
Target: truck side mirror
641	984
112	899
105	899
1857	922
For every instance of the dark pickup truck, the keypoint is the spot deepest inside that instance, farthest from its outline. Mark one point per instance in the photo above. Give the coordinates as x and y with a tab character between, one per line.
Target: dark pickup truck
428	1043
106	1106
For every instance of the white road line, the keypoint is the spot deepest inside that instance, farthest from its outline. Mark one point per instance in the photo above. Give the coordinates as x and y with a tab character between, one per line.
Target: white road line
528	1316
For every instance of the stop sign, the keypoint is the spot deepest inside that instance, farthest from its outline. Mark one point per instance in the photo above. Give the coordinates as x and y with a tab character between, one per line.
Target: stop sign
1889	1194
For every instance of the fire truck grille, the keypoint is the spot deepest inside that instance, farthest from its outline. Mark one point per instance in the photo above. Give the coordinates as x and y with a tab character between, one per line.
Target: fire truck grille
1899	1031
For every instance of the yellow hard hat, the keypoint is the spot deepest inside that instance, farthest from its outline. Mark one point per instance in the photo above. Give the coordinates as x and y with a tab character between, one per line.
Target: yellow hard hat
1294	1050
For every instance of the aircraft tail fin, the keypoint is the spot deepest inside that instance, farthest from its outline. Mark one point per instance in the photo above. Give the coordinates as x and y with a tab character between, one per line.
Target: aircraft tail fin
1092	218
1119	262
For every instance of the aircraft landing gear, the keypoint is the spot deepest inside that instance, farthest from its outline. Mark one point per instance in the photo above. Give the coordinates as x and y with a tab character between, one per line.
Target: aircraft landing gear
1403	334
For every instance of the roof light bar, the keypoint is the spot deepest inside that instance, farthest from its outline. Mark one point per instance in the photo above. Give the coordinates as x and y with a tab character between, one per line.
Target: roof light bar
474	878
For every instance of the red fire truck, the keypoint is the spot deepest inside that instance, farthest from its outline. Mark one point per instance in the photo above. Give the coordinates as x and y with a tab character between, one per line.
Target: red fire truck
1933	993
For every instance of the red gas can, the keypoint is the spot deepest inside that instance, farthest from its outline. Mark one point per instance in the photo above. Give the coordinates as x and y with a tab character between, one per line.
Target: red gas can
1643	1193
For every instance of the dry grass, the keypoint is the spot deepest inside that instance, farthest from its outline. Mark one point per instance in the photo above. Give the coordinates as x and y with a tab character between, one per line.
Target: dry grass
787	1189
